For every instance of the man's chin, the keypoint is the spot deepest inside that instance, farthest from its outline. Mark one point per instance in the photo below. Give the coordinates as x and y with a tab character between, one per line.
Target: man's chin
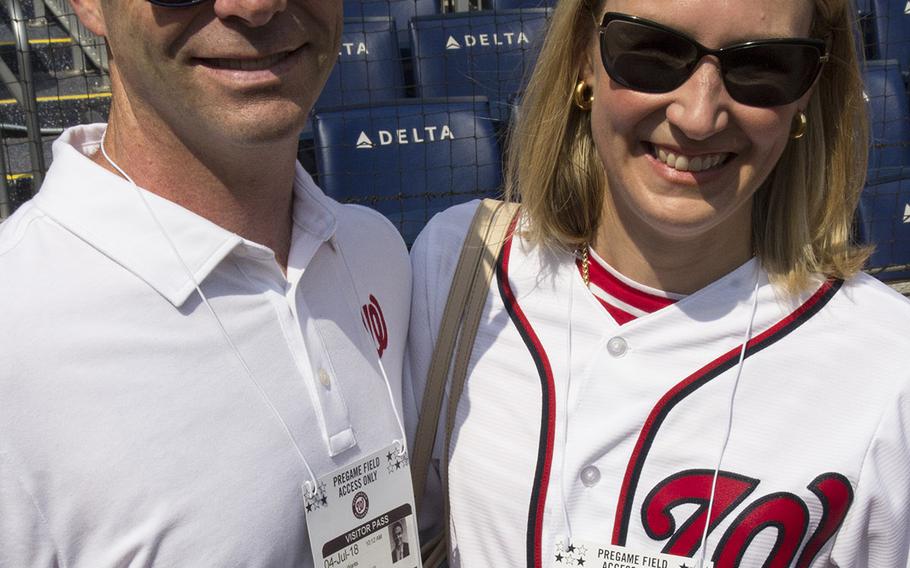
261	130
266	134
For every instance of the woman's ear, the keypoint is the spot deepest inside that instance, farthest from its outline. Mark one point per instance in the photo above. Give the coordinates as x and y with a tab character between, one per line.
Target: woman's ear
586	70
91	14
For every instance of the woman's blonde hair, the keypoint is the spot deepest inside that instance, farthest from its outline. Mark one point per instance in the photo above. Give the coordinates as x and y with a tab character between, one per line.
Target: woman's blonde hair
802	215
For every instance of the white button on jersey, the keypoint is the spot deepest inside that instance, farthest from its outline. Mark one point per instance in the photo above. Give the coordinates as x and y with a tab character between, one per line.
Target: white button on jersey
617	347
324	378
590	476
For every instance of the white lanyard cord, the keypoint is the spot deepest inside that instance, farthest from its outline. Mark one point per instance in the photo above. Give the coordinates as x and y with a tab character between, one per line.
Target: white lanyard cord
729	429
402	447
565	431
312	485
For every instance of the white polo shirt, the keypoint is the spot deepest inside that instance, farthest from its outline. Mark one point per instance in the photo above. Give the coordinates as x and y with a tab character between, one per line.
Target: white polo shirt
130	434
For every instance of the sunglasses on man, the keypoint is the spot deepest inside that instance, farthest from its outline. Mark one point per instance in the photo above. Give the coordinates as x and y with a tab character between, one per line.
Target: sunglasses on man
651	58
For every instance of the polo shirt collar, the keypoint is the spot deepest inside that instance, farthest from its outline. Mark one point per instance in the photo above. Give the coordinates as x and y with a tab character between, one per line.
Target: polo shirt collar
110	215
313	212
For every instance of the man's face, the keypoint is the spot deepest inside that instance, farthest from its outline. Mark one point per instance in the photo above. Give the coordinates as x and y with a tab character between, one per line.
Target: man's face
397	531
241	71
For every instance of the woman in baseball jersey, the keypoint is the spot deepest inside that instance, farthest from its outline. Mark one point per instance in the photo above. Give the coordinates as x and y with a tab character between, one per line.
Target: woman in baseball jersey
679	362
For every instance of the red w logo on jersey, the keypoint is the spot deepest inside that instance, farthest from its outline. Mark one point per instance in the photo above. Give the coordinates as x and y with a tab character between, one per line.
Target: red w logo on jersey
783	512
374	321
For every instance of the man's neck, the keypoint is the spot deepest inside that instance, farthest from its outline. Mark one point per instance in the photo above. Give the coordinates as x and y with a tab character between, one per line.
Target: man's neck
248	191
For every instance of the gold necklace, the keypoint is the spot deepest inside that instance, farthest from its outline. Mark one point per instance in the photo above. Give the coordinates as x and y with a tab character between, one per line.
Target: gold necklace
585	266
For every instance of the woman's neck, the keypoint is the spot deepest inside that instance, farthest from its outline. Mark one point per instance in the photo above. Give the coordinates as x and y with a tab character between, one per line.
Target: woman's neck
672	263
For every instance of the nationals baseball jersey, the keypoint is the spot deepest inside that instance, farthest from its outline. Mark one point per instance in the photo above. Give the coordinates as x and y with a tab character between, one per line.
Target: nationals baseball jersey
574	428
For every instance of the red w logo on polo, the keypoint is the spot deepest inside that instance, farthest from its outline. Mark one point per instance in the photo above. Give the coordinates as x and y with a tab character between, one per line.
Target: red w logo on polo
374	321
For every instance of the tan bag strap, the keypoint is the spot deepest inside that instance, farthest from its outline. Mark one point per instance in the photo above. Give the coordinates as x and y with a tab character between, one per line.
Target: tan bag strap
496	236
467	295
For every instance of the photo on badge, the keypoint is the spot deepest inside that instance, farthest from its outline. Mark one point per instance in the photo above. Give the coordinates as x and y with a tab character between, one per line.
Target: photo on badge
398	538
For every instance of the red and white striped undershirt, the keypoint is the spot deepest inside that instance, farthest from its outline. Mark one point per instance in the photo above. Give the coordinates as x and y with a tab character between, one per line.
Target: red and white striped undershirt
624	299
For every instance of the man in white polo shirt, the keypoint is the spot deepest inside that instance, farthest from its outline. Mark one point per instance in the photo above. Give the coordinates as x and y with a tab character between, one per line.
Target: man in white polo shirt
193	338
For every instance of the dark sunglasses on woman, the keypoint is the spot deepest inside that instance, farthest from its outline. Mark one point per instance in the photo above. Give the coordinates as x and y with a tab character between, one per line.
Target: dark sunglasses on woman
651	58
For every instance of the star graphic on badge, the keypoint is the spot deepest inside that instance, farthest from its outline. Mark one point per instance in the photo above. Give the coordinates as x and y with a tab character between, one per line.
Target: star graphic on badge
398	464
309	507
581	561
389	456
571	548
582	551
559	558
324	500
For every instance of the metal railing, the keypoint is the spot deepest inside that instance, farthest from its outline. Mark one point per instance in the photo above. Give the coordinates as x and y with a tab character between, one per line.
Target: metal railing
29	100
86	42
87	52
23	90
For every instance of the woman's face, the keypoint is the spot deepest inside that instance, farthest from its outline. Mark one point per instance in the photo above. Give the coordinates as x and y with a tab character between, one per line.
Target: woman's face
685	164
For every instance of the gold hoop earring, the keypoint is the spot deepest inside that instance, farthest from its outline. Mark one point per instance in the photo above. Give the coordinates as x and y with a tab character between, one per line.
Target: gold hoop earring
800	126
583	95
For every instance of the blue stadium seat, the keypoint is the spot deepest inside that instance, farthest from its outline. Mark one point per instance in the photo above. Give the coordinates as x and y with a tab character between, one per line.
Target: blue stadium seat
863	8
400	10
889	115
477	53
369	65
884	221
866	46
892	28
408	159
